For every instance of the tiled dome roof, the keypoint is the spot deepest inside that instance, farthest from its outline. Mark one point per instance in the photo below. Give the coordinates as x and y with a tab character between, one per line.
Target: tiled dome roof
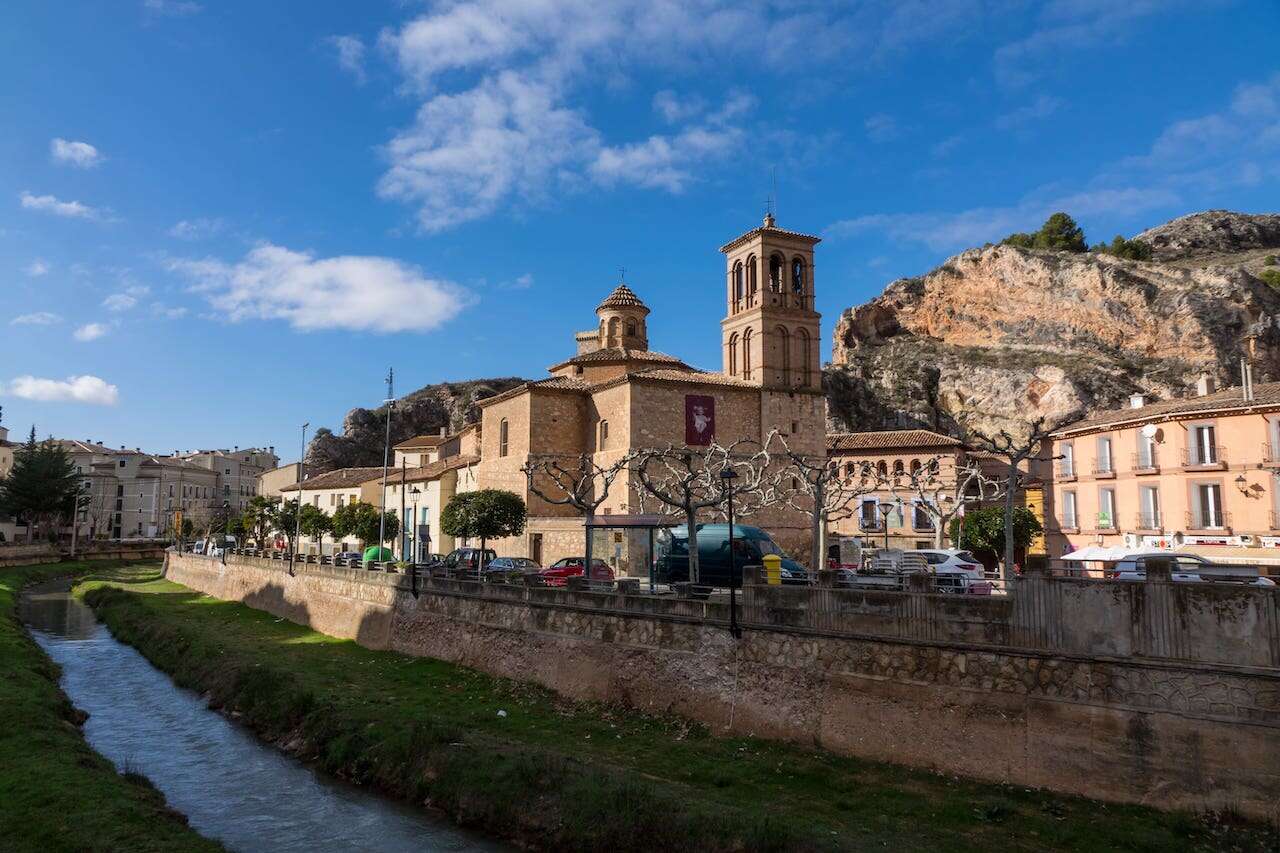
622	297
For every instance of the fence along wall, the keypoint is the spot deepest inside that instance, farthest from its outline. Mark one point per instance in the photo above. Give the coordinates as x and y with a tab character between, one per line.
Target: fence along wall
1082	687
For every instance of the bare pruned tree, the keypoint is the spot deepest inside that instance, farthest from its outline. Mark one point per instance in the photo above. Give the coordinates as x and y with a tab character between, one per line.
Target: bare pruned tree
828	493
574	481
944	495
689	482
1016	448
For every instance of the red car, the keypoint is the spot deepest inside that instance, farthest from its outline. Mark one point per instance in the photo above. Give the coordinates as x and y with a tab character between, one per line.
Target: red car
570	567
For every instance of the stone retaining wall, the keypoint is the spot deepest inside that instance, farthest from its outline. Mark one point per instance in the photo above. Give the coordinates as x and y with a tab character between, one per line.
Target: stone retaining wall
1124	723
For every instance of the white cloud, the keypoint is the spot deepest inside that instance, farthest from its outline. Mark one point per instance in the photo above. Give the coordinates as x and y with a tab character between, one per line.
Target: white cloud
1071	25
51	204
37	268
73	389
468	153
881	127
351	293
82	155
350	51
125	299
172	8
119	302
39	318
1042	107
195	229
520	282
677	108
168	312
89	332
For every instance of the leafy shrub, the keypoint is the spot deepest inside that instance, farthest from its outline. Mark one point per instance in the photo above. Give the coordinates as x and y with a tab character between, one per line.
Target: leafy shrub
1271	277
1133	250
1059	232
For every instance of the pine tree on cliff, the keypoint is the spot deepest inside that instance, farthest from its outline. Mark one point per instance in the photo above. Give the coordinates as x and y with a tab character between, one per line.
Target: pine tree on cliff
1059	232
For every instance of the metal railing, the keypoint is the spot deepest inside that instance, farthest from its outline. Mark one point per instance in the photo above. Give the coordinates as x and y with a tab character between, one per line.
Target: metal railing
1103	468
1270	454
1214	456
1147	520
1066	470
1145	462
1105	521
870	524
1203	521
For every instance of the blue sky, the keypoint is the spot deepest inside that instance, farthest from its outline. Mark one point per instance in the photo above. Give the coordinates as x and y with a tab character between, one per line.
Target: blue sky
219	220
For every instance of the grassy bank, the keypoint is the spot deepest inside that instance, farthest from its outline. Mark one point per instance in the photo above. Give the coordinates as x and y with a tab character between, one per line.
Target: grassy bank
519	762
55	792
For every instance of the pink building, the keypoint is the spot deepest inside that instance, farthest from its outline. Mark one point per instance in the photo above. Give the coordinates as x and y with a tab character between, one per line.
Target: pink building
1201	473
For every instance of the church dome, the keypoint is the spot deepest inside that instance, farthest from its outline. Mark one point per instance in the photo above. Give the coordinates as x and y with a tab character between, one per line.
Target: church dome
622	299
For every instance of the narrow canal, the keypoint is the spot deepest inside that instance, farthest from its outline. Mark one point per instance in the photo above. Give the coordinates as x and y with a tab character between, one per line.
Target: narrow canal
230	786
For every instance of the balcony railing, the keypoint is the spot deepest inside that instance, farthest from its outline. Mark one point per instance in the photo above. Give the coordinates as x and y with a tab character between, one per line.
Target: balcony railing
1066	470
1275	520
1145	462
922	524
1213	457
1103	468
1270	455
1203	521
1147	521
1106	521
870	524
1069	523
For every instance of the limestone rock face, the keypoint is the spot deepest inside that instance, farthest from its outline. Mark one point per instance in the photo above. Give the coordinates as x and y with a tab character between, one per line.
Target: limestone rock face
449	404
999	336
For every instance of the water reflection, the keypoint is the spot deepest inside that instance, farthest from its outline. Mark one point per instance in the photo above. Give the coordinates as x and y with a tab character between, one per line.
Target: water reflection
230	786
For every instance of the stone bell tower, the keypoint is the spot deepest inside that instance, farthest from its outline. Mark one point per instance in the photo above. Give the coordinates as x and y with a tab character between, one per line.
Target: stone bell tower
771	331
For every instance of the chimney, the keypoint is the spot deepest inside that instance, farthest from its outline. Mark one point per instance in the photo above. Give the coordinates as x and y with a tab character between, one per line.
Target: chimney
444	430
1137	401
1205	385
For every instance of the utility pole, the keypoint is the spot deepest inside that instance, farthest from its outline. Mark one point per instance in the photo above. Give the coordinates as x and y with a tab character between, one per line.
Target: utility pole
386	459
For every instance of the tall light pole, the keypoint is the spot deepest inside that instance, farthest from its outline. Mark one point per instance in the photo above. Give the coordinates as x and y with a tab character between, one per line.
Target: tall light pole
297	510
728	475
414	540
386	459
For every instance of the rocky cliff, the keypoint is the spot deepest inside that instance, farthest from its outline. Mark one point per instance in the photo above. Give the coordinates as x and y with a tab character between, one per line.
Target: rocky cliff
449	404
1000	335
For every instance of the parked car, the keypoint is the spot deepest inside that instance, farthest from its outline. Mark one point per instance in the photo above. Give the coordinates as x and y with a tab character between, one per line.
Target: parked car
1188	568
468	558
558	572
750	545
347	556
510	566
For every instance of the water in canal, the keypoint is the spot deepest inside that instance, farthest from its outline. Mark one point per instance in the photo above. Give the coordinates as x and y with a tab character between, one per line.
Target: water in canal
230	786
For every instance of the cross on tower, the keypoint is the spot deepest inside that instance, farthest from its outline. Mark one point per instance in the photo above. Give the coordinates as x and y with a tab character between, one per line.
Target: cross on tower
622	273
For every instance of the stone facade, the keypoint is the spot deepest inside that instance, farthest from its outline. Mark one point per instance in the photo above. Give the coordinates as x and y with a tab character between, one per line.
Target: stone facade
1160	693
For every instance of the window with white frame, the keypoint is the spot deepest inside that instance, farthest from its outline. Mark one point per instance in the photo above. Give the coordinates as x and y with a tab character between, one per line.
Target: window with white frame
1149	514
1208	513
1103	463
1106	509
1069	517
1202	448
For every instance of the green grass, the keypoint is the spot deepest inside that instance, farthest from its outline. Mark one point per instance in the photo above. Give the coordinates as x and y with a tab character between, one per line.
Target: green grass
55	792
570	776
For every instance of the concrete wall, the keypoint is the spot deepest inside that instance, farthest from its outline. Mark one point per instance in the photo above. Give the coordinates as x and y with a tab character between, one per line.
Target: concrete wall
1156	693
40	554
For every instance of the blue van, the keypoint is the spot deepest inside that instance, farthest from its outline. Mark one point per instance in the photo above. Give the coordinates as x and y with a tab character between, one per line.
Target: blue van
750	544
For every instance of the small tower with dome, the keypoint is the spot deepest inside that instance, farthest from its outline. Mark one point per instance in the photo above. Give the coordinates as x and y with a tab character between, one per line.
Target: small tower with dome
622	320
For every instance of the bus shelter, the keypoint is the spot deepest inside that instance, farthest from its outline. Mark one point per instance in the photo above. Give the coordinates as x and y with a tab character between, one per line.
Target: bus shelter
626	543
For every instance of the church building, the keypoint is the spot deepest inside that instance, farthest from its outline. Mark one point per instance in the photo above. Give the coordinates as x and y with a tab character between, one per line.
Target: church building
615	394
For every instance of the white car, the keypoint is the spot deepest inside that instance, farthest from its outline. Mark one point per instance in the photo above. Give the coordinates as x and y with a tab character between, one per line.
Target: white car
956	571
1188	568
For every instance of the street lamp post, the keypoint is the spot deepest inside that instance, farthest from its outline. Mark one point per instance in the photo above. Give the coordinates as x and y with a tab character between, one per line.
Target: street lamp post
81	495
728	475
386	459
226	533
413	541
297	510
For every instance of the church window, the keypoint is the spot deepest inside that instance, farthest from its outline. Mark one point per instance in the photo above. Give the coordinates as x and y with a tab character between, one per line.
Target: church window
503	434
733	354
752	283
631	328
915	465
613	330
746	354
604	435
738	292
882	469
775	273
797	276
897	466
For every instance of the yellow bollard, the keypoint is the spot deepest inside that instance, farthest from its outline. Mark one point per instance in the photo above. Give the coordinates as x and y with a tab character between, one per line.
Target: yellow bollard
773	569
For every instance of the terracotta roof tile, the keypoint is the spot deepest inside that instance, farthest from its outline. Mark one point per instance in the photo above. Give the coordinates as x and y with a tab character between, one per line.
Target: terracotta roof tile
419	441
891	439
341	479
622	297
555	383
689	376
428	472
769	228
1266	395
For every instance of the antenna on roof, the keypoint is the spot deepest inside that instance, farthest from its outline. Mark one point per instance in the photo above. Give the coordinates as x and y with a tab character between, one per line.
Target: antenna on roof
771	202
622	274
